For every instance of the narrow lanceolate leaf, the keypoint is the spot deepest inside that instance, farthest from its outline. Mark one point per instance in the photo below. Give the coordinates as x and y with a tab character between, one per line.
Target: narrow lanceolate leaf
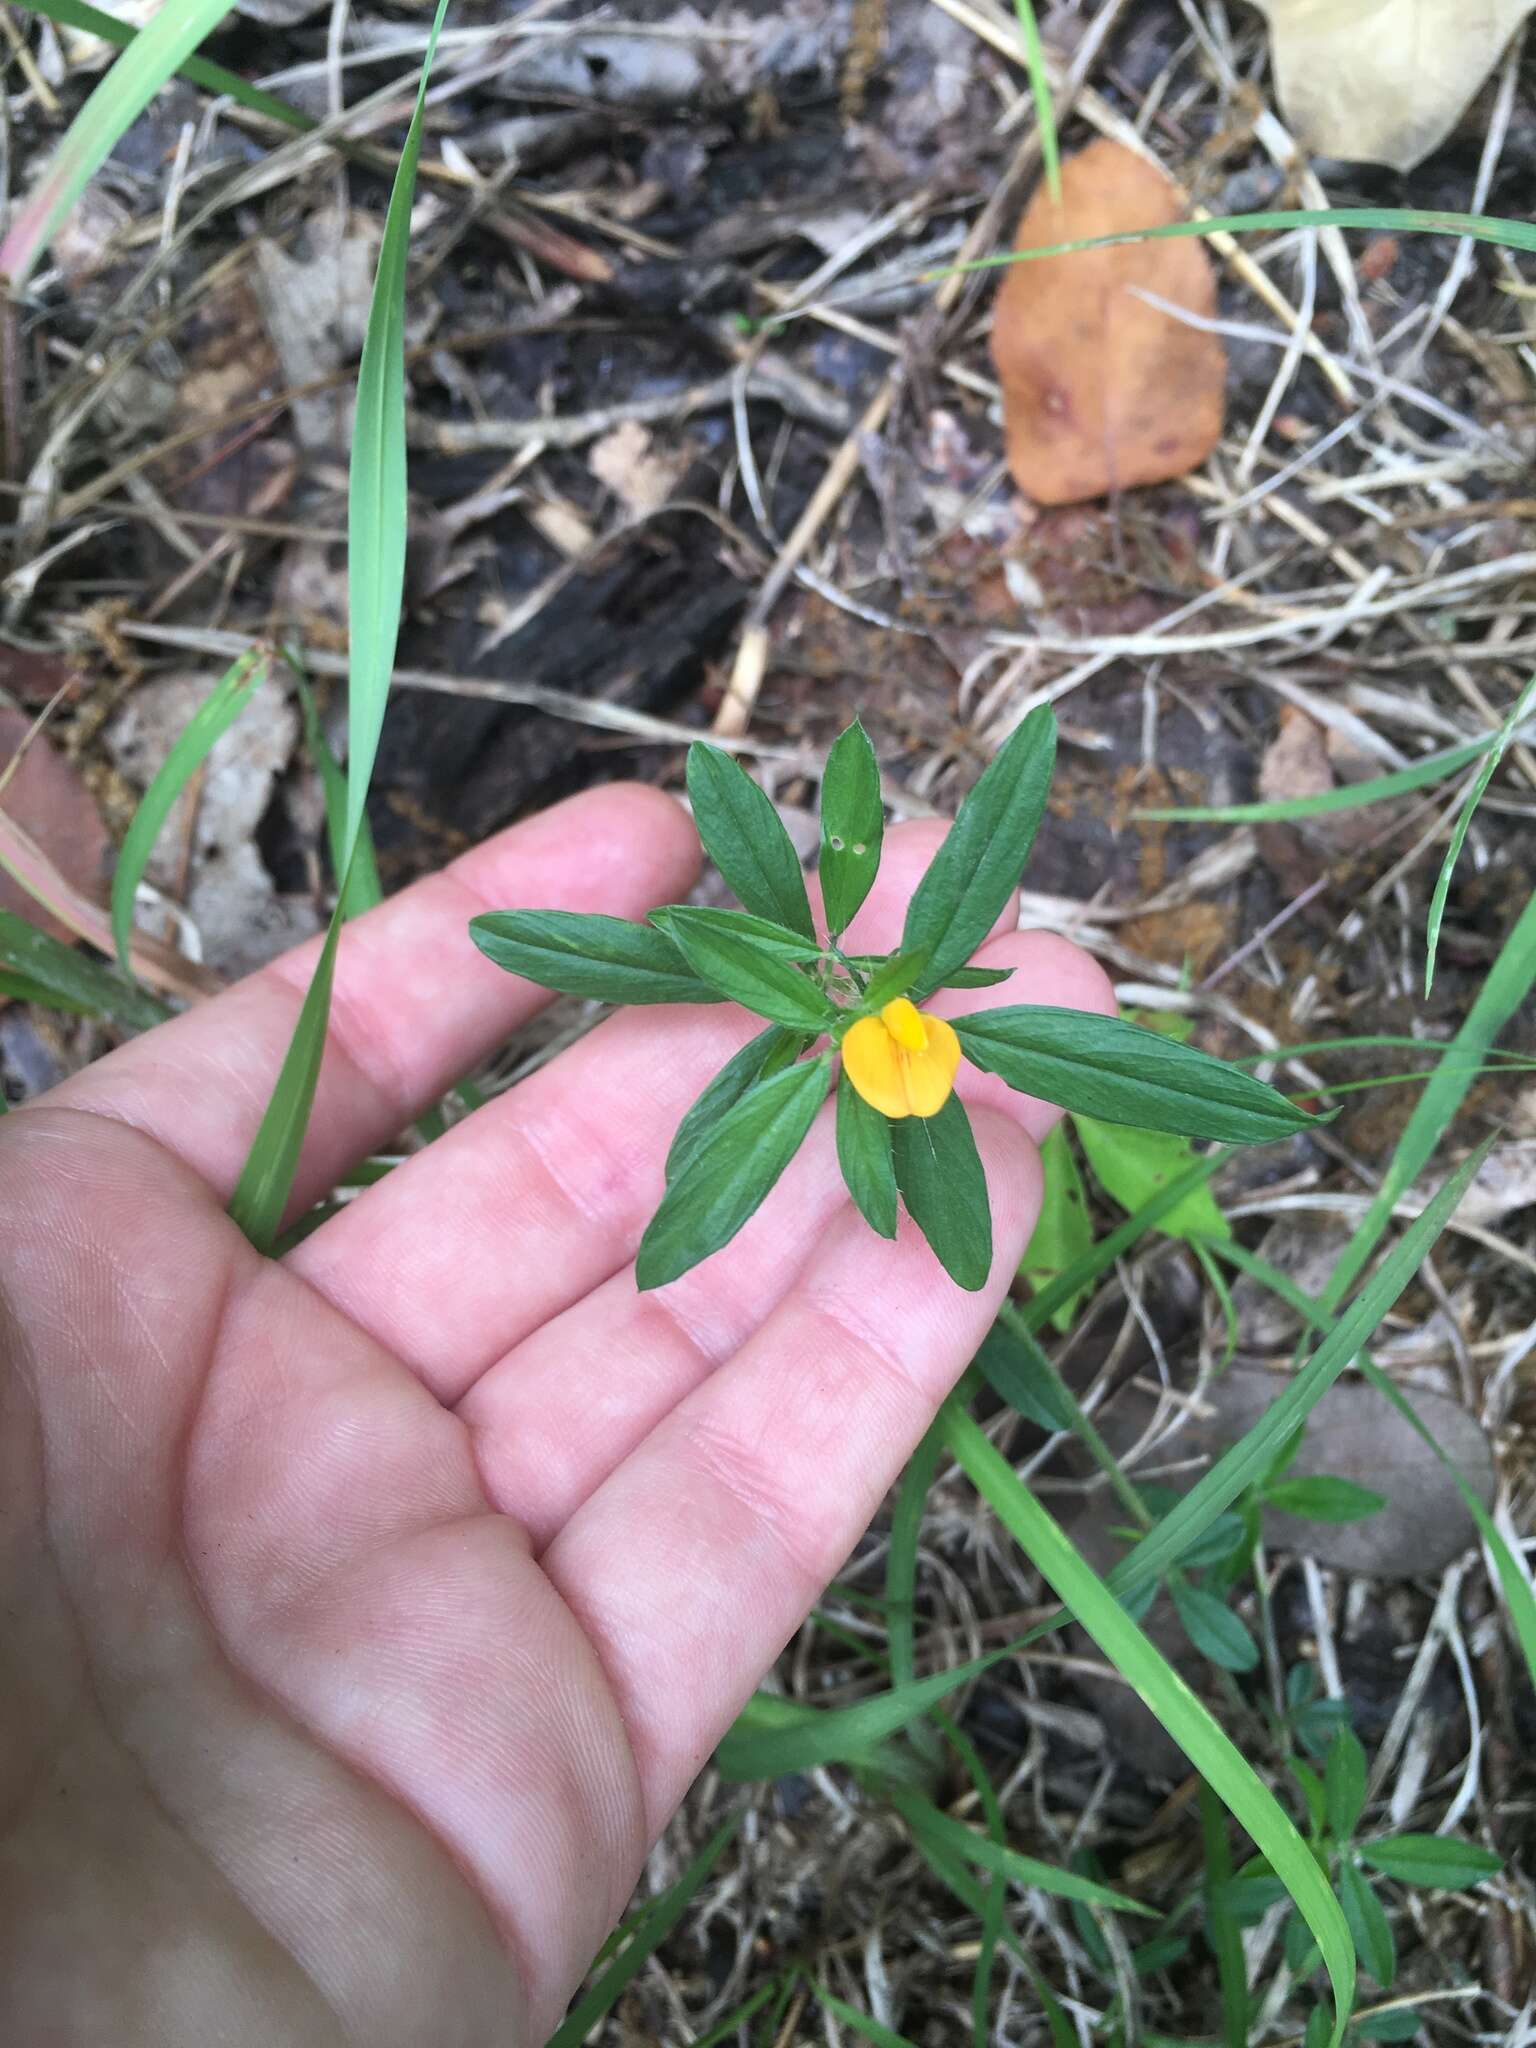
1324	1498
606	959
42	970
1344	1776
364	889
1474	797
977	977
889	977
760	932
744	837
1369	1925
1438	1860
978	867
864	1154
939	1172
1213	1628
157	53
852	825
207	725
1125	1074
769	1053
732	1172
738	967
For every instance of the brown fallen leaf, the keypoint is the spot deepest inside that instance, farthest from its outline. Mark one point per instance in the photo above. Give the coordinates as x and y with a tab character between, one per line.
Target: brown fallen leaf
47	799
1383	81
1101	390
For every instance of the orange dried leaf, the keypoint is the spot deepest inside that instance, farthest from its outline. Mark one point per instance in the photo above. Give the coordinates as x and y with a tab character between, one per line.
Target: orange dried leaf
1102	391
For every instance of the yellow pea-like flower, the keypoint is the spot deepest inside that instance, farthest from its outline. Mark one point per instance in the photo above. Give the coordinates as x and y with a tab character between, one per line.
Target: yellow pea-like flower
902	1062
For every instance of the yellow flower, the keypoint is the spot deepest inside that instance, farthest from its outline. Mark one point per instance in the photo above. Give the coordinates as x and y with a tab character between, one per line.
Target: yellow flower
902	1062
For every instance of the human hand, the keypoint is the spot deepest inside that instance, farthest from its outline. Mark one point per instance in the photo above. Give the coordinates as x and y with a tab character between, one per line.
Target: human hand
367	1614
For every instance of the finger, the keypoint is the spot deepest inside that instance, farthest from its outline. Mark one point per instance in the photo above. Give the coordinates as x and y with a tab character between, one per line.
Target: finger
542	1195
563	1408
414	1006
704	1551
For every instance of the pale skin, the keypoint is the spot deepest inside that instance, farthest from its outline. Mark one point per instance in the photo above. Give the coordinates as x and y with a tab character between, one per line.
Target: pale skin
365	1616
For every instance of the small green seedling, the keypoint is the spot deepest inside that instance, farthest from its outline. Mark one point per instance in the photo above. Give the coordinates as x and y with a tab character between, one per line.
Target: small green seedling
1334	1801
903	1137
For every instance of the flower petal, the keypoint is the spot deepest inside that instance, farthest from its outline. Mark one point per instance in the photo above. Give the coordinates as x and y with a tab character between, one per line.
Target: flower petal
931	1073
874	1066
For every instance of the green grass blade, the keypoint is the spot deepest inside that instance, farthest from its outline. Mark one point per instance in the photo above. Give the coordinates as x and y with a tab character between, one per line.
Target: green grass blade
901	1558
1040	93
376	507
375	585
51	973
364	890
1225	1935
266	1180
1250	1457
203	730
1401	782
929	1824
1474	797
1219	1762
862	2024
1505	988
211	77
156	54
652	1929
1475	227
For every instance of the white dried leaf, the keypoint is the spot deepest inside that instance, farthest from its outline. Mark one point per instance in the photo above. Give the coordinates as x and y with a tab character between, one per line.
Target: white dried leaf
1383	81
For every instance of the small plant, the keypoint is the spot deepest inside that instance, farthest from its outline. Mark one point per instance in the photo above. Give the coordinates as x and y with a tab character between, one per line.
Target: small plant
903	1136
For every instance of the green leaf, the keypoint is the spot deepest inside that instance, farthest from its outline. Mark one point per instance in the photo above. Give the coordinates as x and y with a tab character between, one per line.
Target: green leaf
1064	1229
1212	1627
769	1053
654	1924
1094	1606
939	1172
364	889
735	965
16	988
1368	1924
741	926
874	2031
1310	1786
1248	1899
1134	1165
928	1824
1105	1067
864	1154
1344	1783
1324	1498
1019	1371
732	1172
976	977
1348	797
746	840
1298	1947
1401	2023
207	725
890	977
605	959
1441	1861
1474	797
50	972
1215	1545
976	870
852	825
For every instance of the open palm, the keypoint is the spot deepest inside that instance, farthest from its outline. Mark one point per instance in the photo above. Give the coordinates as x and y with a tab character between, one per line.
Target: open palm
366	1615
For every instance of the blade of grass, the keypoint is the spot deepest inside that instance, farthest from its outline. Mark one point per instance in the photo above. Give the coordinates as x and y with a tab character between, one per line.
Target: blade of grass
1219	1762
1040	93
197	70
1400	782
1505	988
55	973
1249	1458
207	725
155	55
650	1932
927	1822
1474	797
375	585
366	889
1226	1936
866	2028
